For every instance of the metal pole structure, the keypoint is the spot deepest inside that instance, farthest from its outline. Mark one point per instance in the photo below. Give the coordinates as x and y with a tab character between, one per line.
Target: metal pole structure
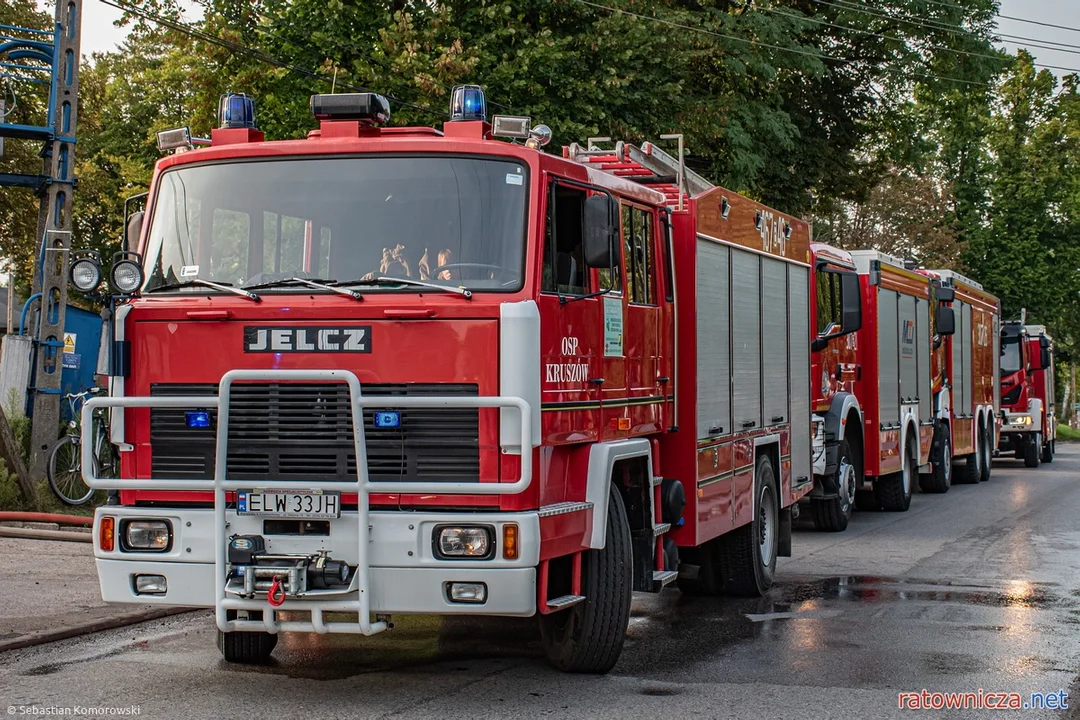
50	277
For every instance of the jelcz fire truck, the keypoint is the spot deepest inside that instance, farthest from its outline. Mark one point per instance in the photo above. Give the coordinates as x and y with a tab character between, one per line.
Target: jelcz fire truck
1029	422
388	370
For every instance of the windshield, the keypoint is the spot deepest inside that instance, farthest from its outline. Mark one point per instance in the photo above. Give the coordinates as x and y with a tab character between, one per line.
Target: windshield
446	220
1010	356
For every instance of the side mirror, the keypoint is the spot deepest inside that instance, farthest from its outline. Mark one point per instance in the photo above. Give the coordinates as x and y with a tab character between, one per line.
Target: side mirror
1046	359
851	316
945	294
133	231
601	230
945	320
818	344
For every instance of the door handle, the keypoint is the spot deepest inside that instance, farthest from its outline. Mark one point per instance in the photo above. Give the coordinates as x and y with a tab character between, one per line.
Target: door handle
716	430
776	418
596	381
749	423
663	380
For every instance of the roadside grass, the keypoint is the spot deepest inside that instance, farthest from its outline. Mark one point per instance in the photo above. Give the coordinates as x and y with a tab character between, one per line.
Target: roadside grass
1064	432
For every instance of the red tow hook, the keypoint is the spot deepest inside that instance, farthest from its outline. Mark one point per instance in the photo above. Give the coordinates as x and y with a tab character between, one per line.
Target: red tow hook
276	595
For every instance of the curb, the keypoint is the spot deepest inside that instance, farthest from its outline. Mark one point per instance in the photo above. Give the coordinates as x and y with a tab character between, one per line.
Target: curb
132	618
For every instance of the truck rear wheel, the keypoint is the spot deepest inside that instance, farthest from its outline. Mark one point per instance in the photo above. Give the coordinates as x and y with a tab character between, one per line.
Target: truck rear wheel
246	648
747	555
987	452
833	514
939	479
588	637
1032	450
1048	452
972	470
894	491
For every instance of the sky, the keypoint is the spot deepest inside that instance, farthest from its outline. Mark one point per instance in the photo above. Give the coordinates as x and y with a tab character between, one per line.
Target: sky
99	34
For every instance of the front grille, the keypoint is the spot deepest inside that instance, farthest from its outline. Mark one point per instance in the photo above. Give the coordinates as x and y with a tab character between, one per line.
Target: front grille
305	431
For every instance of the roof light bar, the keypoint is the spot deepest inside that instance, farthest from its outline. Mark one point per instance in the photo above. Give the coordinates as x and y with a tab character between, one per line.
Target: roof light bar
467	102
370	108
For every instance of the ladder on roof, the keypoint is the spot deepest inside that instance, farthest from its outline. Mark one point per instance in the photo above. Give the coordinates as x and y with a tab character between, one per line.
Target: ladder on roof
648	165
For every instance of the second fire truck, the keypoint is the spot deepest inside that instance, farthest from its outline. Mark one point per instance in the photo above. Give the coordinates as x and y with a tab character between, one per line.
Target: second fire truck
903	382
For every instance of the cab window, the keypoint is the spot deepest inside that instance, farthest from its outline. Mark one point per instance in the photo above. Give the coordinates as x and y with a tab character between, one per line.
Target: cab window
829	306
637	230
564	269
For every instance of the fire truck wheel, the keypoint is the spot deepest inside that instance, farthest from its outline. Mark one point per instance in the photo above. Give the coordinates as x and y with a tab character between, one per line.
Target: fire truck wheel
972	470
939	480
832	515
987	455
894	490
1032	451
1048	452
588	637
747	555
247	648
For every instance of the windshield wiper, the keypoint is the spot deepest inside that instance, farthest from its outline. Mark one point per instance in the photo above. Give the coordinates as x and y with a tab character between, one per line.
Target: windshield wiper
310	282
206	283
464	292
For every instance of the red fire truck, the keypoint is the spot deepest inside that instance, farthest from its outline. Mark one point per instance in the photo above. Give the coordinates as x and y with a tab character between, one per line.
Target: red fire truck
1029	423
389	370
898	368
966	392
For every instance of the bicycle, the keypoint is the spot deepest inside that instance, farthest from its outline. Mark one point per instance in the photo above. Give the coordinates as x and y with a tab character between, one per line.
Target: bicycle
64	469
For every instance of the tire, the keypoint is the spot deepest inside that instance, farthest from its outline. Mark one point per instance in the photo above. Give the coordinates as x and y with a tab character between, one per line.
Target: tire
832	515
894	490
588	637
1048	452
987	456
971	473
939	479
246	648
1032	451
747	555
64	471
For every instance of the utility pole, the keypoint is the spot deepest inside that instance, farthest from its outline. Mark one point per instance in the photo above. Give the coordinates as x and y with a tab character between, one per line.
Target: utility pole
54	231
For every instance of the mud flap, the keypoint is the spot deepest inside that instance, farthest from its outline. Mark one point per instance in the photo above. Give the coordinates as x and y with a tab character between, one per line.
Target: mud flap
784	541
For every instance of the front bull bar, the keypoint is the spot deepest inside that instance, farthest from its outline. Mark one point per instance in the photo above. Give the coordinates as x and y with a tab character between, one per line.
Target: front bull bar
362	486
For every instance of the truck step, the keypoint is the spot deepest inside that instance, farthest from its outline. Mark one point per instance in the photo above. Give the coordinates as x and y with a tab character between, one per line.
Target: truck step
656	480
659	529
564	602
664	577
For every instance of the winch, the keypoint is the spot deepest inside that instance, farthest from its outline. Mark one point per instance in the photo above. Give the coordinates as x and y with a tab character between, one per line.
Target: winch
253	570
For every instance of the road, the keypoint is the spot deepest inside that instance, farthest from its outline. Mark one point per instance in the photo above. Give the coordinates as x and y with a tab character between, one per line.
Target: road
976	589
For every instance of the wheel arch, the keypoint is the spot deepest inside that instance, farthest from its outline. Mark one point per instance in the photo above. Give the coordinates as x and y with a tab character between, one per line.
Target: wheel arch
603	458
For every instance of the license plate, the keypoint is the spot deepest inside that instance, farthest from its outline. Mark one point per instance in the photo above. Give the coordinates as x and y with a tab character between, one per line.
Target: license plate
289	503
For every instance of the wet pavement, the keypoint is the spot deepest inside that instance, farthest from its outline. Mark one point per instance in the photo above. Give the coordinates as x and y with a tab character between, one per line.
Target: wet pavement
978	589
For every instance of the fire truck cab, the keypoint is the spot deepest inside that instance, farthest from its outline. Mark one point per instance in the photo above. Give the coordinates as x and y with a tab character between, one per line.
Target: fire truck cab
391	370
1029	423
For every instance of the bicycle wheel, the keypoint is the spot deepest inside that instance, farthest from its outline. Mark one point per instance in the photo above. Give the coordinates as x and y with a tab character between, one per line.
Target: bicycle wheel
65	472
104	454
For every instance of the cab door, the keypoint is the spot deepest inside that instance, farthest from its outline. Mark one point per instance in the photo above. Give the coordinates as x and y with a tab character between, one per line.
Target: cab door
645	396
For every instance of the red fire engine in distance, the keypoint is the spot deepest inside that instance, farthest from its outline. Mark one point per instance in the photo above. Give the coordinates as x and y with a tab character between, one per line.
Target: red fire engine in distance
1029	423
401	370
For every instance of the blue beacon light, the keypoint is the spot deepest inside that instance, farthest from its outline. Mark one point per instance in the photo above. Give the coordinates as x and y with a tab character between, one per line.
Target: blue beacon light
388	419
236	110
467	102
197	419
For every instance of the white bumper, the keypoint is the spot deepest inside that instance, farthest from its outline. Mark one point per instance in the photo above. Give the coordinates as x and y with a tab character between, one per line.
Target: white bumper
406	576
1022	423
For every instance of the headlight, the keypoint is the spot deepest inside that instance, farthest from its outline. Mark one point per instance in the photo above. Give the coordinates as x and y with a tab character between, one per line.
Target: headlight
85	274
464	542
147	535
1022	420
126	276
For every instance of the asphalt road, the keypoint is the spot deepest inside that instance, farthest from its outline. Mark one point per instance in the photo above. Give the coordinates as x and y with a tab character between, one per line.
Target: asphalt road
976	589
